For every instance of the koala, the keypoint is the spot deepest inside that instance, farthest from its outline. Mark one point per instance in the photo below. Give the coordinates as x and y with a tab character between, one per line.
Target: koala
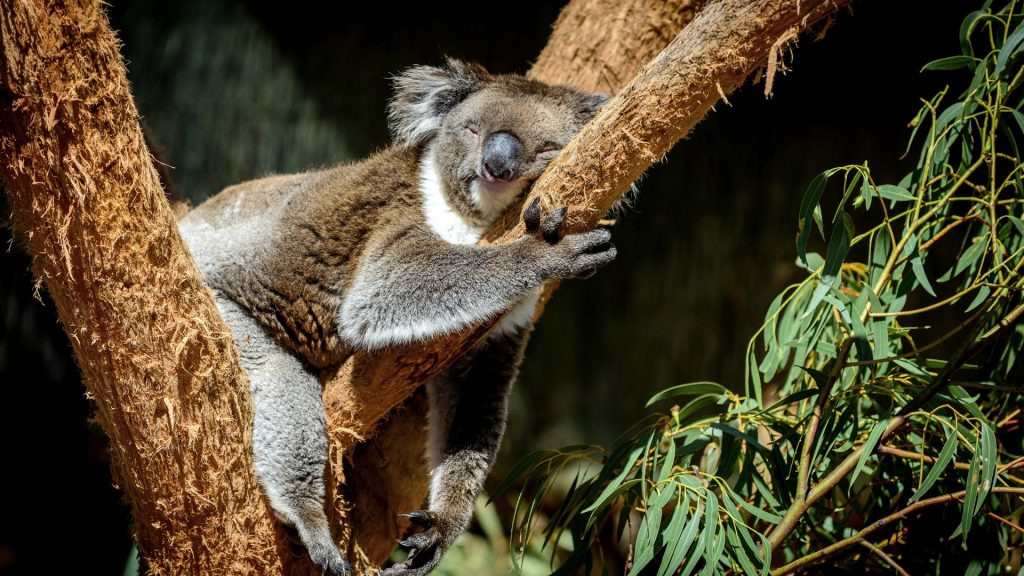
308	268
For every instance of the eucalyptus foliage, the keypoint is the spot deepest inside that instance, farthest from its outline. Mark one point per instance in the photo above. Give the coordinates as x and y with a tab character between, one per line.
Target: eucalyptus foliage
885	385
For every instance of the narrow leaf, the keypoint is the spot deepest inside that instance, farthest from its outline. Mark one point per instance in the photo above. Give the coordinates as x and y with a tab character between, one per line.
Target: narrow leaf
610	490
945	457
688	389
838	247
950	63
807	209
869	446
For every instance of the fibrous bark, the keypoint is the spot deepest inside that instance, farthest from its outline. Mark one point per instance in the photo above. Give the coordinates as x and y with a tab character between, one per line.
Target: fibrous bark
154	353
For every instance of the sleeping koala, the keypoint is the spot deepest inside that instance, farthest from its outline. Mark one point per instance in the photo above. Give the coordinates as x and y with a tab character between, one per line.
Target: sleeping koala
308	268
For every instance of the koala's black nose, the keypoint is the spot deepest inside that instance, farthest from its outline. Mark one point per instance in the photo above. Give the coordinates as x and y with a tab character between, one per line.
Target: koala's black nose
502	155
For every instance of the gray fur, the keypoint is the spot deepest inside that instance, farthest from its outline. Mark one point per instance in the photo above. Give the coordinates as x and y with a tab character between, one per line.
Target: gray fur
308	268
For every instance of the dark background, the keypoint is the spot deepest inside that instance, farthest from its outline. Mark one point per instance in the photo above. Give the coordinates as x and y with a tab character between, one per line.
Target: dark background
233	90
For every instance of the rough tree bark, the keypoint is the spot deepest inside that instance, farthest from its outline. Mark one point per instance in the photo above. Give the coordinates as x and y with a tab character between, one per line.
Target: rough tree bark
152	349
153	352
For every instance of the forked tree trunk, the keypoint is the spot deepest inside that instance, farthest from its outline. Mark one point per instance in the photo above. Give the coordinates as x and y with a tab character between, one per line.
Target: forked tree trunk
154	353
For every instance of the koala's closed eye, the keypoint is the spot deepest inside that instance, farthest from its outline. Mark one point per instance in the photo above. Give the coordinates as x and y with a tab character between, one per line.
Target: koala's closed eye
548	148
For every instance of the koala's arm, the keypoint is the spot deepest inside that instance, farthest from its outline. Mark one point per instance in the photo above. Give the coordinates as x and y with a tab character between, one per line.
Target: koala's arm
412	285
468	404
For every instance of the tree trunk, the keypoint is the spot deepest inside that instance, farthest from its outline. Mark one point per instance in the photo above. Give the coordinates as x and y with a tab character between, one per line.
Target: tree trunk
153	351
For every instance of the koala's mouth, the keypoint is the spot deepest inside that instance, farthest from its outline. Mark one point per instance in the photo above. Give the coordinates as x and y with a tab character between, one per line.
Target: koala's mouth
492	197
499	187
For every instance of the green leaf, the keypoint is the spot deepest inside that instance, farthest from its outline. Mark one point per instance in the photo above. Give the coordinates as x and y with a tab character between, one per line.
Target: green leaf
970	256
738	550
754	377
867	193
838	248
697	404
646	539
918	267
1019	117
980	297
611	490
750	440
525	464
971	498
688	389
972	20
913	369
879	327
989	459
700	545
770	517
961	397
814	261
711	527
895	193
670	460
945	457
869	446
794	397
808	206
950	63
860	333
1009	49
714	558
679	545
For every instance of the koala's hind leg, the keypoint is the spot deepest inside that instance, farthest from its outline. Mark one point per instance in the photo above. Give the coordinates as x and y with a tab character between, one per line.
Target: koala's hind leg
468	405
289	435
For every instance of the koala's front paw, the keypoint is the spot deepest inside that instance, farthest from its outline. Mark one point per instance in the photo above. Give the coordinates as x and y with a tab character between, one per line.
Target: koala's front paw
573	255
427	547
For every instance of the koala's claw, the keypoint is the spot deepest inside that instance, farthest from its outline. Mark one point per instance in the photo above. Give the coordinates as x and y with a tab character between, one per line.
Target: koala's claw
549	230
531	216
425	548
422	518
331	561
551	225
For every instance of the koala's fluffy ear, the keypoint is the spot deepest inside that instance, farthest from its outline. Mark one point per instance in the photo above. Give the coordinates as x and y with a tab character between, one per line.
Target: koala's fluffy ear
424	94
590	103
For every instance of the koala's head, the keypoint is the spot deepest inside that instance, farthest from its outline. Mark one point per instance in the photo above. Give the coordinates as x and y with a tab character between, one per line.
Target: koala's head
490	136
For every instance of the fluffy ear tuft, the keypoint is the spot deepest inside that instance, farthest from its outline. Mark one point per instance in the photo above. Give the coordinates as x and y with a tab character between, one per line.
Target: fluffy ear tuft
590	103
424	94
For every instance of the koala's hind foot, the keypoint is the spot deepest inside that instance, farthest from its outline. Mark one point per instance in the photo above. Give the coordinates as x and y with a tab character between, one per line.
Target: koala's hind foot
426	547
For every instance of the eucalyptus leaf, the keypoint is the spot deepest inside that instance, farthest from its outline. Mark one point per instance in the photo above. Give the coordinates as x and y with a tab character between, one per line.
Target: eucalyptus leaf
949	63
688	389
945	457
808	205
869	446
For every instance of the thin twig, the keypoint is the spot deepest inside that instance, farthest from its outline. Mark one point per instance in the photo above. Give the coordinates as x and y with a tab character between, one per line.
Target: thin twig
872	527
885	557
916	456
1004	521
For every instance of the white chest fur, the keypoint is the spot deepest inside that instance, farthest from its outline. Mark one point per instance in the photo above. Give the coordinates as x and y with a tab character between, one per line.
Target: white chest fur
442	218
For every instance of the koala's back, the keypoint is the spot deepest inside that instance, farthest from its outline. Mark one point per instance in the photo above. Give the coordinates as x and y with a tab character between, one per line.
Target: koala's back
285	247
